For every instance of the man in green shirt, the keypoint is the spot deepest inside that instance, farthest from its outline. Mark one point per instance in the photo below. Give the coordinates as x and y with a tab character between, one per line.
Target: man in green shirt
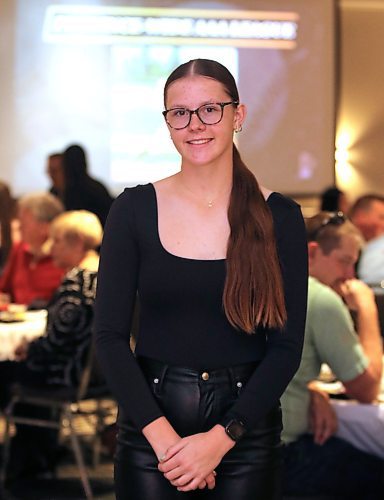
315	461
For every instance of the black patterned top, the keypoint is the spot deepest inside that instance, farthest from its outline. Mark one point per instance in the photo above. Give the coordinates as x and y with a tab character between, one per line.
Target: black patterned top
61	352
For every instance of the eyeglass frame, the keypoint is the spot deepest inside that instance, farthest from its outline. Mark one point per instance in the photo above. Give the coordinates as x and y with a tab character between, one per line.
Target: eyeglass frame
334	219
196	112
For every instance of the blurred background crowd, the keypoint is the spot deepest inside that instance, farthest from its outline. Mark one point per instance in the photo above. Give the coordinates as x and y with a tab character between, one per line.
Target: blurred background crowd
49	259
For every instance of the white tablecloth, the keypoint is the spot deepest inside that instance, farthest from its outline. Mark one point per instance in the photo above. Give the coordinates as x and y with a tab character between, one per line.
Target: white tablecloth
361	424
12	334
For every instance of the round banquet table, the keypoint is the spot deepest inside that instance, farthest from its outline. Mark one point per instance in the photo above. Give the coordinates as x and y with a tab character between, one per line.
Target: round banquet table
13	333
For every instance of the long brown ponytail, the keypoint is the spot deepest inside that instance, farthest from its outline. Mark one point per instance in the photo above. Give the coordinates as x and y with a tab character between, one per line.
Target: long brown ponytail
253	292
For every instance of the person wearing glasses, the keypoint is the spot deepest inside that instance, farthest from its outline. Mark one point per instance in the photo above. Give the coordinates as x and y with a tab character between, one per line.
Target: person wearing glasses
315	460
220	268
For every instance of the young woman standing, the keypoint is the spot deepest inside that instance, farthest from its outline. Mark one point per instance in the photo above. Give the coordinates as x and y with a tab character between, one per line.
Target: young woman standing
220	268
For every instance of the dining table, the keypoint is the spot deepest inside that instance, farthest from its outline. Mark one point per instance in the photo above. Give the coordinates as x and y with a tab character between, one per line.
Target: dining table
13	333
361	424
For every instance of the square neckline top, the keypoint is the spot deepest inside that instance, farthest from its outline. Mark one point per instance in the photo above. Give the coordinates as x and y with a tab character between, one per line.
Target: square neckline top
160	243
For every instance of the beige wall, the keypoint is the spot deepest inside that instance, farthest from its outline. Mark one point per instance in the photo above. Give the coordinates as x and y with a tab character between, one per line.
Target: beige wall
360	117
360	123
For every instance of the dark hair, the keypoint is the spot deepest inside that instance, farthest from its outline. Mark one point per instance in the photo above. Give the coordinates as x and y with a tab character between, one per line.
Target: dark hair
75	164
253	291
330	199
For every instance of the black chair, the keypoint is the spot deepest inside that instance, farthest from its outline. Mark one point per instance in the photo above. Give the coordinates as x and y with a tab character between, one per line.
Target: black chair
90	400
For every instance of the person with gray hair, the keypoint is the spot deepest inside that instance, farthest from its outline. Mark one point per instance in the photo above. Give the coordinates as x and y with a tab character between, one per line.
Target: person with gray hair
30	276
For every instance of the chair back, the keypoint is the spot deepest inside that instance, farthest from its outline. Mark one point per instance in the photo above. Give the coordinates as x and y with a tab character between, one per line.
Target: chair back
85	378
92	382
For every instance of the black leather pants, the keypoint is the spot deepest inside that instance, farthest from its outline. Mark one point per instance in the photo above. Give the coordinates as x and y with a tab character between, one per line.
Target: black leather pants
251	470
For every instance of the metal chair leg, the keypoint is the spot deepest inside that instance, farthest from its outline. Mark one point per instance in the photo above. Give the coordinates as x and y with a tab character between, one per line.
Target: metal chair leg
7	442
79	458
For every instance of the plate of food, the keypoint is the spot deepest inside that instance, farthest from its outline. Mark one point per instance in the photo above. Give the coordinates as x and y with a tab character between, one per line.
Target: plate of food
13	313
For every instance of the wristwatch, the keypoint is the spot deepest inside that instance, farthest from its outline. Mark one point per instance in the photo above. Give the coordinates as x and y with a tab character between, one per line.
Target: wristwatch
235	429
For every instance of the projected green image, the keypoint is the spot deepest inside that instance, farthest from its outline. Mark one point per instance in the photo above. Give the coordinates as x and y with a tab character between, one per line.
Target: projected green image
141	148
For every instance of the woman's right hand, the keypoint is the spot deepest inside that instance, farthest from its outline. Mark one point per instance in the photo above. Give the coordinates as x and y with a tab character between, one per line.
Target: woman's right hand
162	436
190	463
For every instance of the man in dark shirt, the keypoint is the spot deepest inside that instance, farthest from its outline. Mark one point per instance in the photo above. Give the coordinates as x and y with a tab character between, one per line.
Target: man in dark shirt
81	190
55	172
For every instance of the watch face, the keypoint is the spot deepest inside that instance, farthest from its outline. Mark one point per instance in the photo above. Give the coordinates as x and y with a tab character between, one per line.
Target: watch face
235	429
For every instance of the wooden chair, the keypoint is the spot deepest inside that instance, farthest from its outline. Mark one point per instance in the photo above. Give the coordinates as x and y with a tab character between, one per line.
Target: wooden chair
67	404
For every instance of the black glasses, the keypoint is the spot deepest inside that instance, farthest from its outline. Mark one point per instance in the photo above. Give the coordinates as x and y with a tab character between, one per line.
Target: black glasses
333	219
209	114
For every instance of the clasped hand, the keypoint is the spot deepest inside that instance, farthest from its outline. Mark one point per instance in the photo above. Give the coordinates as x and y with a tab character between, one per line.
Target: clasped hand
190	463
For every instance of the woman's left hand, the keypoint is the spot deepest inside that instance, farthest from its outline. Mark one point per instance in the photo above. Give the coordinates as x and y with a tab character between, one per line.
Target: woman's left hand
192	461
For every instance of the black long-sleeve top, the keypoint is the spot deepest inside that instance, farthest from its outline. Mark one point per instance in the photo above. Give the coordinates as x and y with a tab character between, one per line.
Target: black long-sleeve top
182	321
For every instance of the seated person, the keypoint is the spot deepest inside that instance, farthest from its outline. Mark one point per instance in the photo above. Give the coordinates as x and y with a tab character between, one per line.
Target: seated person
55	172
57	358
81	190
367	214
315	461
6	217
370	268
30	276
333	199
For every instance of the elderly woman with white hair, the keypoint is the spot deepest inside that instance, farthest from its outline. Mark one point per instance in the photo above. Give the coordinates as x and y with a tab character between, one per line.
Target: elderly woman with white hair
57	358
76	235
